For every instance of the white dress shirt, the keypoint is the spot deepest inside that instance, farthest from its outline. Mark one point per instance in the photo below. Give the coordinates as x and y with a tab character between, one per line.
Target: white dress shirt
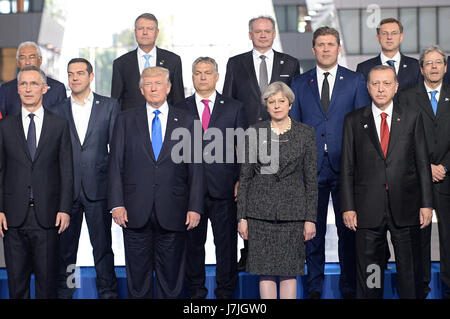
81	114
38	120
269	63
141	58
164	109
377	117
396	59
438	89
331	78
201	106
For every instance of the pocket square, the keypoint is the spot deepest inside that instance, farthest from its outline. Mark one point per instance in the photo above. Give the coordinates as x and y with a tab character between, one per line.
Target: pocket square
284	75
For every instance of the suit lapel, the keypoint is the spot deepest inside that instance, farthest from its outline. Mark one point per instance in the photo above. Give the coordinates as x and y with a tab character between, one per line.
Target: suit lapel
95	112
21	135
338	84
276	67
143	128
314	87
45	133
217	110
424	101
160	58
402	68
172	120
370	129
192	106
69	111
395	129
444	101
249	65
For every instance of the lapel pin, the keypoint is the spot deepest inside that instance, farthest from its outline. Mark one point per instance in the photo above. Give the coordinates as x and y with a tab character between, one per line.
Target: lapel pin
446	99
281	62
97	102
405	66
49	87
312	80
161	62
221	102
175	119
366	126
398	119
341	78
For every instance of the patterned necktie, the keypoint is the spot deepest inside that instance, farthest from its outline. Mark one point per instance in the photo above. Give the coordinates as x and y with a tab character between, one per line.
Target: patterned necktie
434	101
263	77
31	137
391	63
156	134
147	61
384	134
206	115
325	96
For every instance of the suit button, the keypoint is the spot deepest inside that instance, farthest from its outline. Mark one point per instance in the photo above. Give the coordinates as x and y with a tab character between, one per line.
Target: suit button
323	135
326	119
277	178
259	118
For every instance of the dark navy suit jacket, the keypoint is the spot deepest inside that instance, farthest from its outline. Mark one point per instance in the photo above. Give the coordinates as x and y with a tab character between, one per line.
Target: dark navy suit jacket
220	178
408	74
10	100
125	78
140	183
90	159
349	93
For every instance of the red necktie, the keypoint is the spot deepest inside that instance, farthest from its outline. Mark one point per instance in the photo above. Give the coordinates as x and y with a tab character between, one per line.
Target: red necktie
206	115
384	134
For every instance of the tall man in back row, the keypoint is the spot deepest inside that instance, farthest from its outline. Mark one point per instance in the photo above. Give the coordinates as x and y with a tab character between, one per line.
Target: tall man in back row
323	96
248	75
128	67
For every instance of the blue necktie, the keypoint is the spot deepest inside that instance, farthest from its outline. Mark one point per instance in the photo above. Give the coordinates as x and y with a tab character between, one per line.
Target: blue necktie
147	61
434	102
391	63
156	134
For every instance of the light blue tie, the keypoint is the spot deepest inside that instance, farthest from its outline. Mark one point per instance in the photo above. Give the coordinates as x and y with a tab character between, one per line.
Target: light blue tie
434	102
156	134
147	61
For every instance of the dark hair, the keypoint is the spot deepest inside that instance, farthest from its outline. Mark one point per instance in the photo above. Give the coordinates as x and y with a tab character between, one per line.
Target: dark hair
82	60
381	67
205	59
326	31
390	20
147	16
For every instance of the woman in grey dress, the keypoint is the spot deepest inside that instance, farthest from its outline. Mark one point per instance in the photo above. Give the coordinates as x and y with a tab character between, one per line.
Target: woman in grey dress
277	197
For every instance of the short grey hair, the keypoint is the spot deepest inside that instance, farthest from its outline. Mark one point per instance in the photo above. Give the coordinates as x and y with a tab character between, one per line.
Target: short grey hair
276	87
250	23
154	71
381	67
147	16
28	44
432	48
205	59
32	68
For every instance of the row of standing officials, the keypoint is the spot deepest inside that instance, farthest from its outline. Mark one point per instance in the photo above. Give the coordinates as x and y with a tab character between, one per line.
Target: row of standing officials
120	151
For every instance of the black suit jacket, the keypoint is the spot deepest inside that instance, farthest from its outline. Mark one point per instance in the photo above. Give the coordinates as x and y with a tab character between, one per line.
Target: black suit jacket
437	127
365	171
140	183
220	178
90	159
50	174
126	75
447	74
241	83
408	74
10	102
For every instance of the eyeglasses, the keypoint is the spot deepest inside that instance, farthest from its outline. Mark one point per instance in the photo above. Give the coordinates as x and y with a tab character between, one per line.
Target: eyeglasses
430	63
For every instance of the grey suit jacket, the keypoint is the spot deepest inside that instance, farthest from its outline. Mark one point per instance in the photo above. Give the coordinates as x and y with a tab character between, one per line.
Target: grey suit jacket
290	192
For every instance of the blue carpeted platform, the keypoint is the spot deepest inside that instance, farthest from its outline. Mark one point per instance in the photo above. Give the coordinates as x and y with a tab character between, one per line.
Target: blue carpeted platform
247	287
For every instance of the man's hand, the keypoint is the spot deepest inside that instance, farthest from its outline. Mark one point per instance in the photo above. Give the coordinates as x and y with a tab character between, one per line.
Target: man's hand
120	216
309	231
438	172
192	220
425	217
63	221
3	224
243	229
236	187
350	219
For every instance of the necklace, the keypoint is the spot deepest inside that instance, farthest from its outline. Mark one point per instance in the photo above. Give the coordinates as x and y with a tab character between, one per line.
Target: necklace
278	131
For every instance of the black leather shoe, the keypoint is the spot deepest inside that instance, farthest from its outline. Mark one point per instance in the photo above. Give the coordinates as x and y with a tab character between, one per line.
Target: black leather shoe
314	295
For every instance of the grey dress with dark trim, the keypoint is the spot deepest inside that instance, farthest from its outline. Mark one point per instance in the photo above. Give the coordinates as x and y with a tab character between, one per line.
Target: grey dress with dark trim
277	197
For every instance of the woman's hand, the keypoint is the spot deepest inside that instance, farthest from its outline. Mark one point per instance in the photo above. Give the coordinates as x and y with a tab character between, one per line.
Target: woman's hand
309	231
243	229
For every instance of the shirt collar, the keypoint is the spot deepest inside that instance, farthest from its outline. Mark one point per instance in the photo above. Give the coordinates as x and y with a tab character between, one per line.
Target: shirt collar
384	58
268	54
141	52
164	109
212	98
87	101
429	89
39	113
377	112
332	72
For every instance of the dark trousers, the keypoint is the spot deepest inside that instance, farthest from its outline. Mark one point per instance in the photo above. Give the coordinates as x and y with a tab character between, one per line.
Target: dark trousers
98	220
152	248
315	248
222	214
442	208
31	249
371	259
